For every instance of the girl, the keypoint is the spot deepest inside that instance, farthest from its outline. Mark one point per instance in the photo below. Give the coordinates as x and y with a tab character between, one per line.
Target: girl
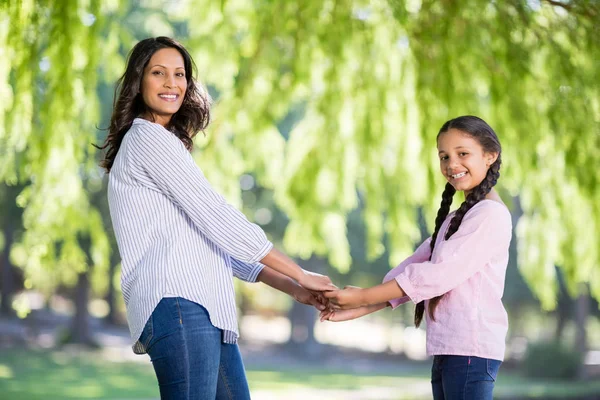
456	277
180	242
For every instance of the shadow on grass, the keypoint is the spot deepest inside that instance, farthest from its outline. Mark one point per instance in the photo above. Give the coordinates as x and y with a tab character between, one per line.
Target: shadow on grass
27	374
31	375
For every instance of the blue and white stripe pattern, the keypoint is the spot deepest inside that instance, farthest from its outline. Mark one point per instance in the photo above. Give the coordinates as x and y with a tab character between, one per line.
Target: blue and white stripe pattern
176	235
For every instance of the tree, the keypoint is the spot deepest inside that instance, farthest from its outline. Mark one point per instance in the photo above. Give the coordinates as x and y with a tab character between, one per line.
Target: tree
376	80
372	81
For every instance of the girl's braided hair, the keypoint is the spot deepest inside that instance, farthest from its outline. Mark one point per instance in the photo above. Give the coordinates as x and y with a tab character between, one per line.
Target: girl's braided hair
479	130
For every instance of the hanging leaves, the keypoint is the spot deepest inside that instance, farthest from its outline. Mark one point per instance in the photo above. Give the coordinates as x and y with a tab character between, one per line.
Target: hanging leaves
367	84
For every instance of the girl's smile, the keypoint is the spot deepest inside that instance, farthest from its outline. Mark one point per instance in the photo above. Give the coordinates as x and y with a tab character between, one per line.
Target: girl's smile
463	162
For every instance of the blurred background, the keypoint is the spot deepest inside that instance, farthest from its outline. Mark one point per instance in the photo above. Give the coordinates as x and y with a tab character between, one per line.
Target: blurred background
323	132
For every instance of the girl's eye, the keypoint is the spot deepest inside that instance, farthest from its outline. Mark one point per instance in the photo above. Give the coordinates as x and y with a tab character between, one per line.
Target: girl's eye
464	154
443	158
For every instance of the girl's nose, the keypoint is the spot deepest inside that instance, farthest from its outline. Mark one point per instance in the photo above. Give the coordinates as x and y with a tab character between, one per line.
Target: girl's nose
452	163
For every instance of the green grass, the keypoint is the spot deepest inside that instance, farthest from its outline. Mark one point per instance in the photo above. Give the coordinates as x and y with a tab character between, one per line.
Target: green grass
33	375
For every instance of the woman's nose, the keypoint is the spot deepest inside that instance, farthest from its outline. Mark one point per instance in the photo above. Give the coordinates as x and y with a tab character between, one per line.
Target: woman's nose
170	82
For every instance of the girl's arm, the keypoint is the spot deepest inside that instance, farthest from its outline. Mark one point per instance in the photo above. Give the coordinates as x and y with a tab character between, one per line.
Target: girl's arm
354	297
347	315
422	254
484	233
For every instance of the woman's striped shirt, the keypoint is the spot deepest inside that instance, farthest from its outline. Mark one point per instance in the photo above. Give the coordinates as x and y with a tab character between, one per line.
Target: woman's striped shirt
176	235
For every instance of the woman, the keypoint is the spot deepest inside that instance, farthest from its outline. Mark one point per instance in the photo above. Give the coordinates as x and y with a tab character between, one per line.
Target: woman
180	242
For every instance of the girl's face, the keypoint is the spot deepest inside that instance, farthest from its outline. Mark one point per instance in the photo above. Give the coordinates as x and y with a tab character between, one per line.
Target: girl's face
463	161
164	85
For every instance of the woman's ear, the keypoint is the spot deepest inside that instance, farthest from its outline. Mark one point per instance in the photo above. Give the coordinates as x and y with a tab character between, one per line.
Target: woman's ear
491	158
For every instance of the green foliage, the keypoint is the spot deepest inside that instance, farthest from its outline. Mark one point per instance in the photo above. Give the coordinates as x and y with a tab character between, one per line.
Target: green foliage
377	79
45	137
374	81
551	360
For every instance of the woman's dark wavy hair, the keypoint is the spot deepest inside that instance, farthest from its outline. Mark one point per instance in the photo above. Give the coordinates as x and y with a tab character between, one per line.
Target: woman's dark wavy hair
192	117
479	130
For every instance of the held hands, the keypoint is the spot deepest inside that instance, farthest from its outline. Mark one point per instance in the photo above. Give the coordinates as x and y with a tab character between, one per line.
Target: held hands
310	298
316	282
335	305
346	304
348	298
344	315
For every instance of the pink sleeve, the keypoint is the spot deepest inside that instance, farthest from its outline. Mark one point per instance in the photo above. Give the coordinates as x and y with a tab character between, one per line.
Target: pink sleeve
484	233
420	255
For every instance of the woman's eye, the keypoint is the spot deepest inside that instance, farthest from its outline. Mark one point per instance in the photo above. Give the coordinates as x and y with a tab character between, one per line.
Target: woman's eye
180	74
464	154
443	158
157	73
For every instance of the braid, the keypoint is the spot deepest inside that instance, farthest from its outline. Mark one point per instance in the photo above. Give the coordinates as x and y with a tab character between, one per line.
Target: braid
477	194
479	130
443	211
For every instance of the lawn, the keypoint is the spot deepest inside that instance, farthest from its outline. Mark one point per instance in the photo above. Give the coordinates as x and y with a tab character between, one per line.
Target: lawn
50	375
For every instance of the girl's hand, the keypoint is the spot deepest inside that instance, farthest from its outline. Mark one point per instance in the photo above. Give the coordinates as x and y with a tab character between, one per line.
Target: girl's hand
349	297
317	282
343	315
347	315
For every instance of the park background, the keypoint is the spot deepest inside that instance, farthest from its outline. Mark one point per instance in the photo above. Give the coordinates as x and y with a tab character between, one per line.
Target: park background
323	132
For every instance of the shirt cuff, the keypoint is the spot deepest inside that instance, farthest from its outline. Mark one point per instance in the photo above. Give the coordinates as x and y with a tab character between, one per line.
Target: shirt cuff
261	253
399	301
408	288
253	275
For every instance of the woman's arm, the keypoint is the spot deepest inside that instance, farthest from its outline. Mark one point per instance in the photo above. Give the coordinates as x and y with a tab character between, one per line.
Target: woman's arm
286	285
162	162
283	264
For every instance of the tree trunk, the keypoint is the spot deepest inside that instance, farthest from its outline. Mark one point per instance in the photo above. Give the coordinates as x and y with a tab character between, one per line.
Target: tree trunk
80	325
7	282
302	338
564	309
582	310
561	322
302	319
112	316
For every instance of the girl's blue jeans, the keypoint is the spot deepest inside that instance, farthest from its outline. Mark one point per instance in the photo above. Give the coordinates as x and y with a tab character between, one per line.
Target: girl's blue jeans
190	360
463	377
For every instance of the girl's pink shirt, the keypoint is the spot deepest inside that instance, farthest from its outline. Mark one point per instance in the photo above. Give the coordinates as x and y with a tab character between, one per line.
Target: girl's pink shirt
469	268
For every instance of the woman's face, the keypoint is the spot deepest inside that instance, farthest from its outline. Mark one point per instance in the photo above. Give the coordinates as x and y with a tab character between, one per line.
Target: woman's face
163	85
463	161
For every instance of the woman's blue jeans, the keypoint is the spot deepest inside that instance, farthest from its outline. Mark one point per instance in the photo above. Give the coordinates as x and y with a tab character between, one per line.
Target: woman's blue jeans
463	377
189	357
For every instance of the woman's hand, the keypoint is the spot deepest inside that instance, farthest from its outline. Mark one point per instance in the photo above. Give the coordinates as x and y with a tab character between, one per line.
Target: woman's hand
310	298
349	297
316	282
